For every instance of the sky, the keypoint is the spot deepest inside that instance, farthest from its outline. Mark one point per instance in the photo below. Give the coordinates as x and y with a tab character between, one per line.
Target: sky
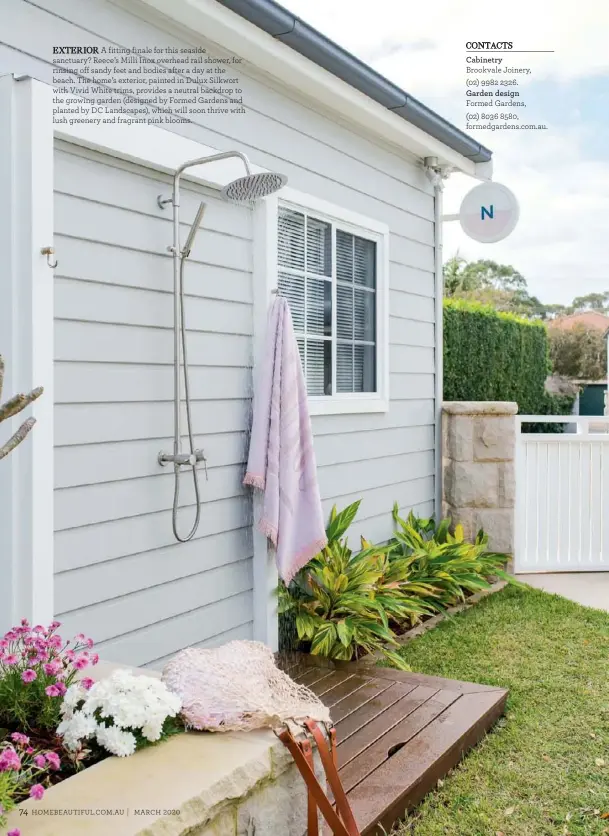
560	176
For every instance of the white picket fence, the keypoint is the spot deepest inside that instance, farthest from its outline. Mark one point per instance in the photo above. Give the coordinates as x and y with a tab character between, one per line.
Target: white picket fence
562	496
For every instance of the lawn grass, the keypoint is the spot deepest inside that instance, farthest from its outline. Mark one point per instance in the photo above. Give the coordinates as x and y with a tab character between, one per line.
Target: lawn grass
544	769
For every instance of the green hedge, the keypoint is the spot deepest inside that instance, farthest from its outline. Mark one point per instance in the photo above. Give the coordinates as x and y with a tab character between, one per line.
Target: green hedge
493	356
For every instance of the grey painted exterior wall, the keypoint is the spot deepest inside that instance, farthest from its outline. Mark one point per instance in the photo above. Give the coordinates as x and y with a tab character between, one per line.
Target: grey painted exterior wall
119	575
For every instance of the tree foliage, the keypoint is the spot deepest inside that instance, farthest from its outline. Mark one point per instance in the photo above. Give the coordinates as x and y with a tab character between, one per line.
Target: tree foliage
579	353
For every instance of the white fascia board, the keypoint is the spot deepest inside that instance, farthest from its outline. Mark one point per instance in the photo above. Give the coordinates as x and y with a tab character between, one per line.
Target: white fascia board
214	22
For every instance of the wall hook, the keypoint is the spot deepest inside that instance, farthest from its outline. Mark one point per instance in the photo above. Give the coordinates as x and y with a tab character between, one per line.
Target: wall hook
49	251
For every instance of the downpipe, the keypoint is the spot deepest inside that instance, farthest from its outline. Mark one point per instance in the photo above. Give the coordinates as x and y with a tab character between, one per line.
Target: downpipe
437	174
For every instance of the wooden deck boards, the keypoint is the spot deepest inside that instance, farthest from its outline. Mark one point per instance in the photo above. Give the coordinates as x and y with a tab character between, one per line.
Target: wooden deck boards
397	732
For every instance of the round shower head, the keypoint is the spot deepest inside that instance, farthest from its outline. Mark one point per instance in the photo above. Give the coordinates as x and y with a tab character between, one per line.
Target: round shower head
253	186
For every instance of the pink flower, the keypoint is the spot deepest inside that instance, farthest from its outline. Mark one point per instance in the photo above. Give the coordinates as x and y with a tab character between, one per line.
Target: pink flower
40	761
29	750
25	622
80	637
40	644
11	659
61	688
15	832
39	629
9	759
53	759
37	791
54	625
29	675
86	682
81	662
22	739
10	636
51	668
94	659
55	641
89	643
69	654
51	691
3	644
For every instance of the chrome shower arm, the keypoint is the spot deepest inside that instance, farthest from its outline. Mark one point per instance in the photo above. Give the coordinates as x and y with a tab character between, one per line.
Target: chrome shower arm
223	155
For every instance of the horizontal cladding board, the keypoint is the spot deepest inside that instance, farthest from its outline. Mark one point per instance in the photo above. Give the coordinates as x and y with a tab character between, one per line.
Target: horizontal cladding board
100	342
92	302
374	473
88	464
411	386
411	332
93	221
168	637
108	501
89	544
112	579
149	606
411	253
407	413
245	632
408	359
412	280
91	261
102	422
379	502
122	185
361	446
119	382
410	306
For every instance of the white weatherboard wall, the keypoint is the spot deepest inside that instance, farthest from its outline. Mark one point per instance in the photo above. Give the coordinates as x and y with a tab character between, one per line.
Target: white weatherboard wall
119	575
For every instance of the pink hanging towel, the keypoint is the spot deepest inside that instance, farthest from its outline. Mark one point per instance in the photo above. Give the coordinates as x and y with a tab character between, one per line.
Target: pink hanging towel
281	457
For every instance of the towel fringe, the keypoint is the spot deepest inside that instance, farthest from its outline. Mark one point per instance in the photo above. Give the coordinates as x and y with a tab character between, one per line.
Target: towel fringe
255	481
303	557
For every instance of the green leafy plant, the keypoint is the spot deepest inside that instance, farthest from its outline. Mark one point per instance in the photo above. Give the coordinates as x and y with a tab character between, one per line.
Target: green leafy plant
443	565
343	602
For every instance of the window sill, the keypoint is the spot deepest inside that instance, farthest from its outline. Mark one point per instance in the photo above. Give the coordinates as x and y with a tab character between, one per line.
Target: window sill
345	406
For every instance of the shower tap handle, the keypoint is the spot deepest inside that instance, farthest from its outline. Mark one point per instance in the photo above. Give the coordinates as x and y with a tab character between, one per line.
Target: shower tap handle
184	459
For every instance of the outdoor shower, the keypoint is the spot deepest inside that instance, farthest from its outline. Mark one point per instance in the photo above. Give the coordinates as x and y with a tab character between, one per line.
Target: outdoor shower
245	189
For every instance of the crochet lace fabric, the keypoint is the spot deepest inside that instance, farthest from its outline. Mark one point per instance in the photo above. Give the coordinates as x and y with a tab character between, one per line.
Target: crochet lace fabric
238	687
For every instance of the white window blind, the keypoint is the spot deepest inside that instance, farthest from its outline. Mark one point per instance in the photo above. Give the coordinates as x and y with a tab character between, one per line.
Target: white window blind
328	276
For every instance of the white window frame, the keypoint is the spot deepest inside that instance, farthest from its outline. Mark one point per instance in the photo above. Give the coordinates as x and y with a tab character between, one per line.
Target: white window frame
365	227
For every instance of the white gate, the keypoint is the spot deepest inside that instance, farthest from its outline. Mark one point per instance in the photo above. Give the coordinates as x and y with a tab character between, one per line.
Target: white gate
562	496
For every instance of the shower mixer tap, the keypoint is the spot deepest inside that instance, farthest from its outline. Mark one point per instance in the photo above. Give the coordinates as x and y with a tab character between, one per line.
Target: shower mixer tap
179	459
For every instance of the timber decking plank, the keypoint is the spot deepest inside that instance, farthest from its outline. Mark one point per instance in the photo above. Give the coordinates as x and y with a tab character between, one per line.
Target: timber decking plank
370	692
349	687
371	710
378	752
362	739
400	783
327	683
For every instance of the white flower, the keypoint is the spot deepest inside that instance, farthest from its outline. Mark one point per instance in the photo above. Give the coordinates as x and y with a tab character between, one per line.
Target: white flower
126	702
116	741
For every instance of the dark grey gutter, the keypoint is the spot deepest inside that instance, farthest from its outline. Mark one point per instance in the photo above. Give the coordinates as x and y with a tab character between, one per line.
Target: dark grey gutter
291	30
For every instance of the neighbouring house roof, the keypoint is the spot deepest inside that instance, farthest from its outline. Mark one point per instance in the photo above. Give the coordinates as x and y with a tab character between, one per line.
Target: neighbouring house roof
284	26
589	319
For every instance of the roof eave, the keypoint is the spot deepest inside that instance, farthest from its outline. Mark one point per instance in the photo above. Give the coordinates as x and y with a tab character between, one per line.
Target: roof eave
374	103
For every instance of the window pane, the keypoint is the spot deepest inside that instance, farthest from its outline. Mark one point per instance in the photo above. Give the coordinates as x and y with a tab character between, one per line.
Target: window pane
319	306
364	368
365	262
344	312
292	288
344	256
344	368
364	315
319	247
319	367
291	239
